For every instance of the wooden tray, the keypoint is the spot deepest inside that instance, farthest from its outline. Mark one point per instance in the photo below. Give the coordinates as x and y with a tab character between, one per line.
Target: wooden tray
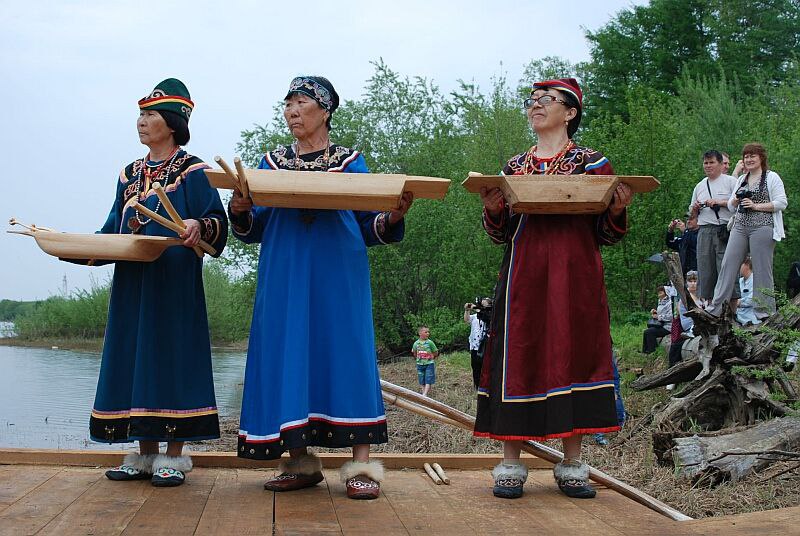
559	194
107	247
341	191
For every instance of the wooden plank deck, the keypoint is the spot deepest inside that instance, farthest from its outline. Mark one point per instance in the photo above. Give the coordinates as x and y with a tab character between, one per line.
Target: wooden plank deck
36	499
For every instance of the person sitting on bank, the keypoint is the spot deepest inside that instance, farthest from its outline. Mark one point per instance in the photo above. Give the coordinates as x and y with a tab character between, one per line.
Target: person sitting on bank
659	323
745	314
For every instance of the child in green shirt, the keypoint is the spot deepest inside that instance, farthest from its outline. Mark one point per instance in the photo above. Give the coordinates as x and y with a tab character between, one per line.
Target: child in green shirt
425	351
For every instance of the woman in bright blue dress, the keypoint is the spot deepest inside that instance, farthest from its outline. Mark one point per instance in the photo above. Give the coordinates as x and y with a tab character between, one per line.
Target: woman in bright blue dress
312	376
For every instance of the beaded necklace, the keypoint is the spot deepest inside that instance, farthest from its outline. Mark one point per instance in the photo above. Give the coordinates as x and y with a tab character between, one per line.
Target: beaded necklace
529	167
135	224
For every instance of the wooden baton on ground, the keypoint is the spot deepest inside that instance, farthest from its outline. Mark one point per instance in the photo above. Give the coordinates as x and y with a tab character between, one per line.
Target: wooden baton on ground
172	226
170	208
432	474
441	473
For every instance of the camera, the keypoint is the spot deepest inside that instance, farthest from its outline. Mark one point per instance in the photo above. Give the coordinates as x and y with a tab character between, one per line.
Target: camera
743	193
484	313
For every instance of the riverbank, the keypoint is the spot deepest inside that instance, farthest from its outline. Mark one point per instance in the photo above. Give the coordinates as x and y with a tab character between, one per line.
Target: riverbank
96	344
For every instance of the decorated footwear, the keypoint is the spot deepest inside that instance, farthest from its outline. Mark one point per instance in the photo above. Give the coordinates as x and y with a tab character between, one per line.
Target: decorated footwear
296	473
572	477
134	466
170	471
362	479
509	479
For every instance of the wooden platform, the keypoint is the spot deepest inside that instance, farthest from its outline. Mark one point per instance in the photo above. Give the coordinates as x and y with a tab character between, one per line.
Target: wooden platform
57	499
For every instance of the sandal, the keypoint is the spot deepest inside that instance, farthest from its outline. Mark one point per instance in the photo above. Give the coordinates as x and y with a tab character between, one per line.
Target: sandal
509	480
134	467
296	473
362	479
572	478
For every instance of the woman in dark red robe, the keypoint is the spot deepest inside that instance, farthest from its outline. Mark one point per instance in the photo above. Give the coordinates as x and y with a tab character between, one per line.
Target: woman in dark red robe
548	372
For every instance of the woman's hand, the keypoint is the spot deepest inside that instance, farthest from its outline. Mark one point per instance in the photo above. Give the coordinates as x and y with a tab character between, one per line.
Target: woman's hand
493	201
623	195
400	212
191	235
747	203
240	204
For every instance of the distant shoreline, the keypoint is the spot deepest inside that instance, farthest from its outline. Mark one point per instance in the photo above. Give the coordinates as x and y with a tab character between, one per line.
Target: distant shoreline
94	344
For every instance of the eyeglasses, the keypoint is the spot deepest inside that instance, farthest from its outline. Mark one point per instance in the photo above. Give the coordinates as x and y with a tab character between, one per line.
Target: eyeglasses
544	100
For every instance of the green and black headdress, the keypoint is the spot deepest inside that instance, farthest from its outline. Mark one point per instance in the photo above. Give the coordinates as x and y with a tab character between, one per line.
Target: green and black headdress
170	95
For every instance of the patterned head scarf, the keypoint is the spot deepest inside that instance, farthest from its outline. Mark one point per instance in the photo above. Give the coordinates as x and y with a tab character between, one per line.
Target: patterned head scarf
574	97
318	88
169	95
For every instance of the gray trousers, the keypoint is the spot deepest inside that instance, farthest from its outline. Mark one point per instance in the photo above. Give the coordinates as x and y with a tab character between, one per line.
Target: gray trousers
711	244
758	240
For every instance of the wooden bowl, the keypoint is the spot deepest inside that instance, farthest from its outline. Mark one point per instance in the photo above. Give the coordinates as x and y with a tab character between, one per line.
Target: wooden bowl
558	194
340	191
107	247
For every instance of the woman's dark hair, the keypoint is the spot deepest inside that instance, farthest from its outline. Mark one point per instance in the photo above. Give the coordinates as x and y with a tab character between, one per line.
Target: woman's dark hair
758	149
177	124
572	102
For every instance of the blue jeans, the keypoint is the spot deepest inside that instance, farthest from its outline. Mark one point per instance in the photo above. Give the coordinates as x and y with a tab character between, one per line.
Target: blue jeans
426	373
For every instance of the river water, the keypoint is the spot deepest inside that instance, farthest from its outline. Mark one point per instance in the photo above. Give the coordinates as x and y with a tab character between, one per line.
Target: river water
46	395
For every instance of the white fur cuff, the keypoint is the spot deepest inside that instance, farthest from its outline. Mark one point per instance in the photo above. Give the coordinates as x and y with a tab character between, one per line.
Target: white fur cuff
571	471
140	462
372	470
505	471
307	464
179	463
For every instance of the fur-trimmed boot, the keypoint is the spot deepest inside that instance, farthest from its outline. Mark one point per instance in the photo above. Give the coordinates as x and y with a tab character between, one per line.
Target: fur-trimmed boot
134	466
170	470
572	477
362	479
296	473
509	478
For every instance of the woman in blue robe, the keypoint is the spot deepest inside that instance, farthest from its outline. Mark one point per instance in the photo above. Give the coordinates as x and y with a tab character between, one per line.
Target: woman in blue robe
312	376
155	380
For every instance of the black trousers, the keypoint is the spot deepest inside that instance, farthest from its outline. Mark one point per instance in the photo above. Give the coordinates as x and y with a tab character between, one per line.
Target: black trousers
650	338
675	351
477	363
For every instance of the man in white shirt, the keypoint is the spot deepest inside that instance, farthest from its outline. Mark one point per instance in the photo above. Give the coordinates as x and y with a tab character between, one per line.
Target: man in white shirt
477	333
710	203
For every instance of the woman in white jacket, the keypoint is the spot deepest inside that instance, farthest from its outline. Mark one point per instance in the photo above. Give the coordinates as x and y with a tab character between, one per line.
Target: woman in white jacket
758	201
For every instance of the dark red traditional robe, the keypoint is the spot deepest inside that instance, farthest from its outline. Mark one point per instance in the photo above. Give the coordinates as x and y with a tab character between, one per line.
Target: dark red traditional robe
547	371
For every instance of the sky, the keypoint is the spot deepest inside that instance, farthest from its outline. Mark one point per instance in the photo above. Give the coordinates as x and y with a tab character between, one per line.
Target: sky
72	73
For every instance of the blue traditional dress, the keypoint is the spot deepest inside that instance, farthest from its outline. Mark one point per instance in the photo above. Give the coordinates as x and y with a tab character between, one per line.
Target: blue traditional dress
547	372
155	379
312	376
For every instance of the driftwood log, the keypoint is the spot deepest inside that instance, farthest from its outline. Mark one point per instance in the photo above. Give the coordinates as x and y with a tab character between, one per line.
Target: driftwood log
720	458
732	379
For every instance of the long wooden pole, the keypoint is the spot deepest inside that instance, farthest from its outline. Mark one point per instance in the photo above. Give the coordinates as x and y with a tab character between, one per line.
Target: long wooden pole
171	225
229	172
448	415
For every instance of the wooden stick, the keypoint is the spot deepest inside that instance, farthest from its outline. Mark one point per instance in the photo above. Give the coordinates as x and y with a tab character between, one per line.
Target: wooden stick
416	408
432	474
441	473
229	172
170	208
171	225
467	422
243	186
